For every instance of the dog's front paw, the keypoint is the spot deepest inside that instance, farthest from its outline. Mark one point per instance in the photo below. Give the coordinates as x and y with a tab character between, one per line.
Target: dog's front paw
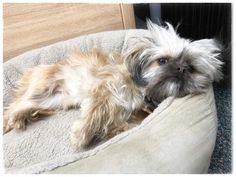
79	136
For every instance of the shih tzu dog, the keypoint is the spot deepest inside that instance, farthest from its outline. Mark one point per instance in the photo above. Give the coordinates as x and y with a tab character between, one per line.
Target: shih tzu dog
111	89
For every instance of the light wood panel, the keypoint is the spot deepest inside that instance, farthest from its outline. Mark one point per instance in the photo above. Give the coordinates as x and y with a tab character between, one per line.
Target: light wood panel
29	26
127	12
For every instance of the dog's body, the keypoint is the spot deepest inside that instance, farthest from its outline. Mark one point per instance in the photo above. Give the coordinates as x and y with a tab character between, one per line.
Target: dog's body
110	89
100	85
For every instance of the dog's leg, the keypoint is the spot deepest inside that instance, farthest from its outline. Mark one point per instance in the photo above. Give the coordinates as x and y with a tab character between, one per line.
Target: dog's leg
19	118
100	115
39	93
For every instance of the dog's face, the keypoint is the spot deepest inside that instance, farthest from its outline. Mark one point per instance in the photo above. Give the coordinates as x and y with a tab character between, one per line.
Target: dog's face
168	65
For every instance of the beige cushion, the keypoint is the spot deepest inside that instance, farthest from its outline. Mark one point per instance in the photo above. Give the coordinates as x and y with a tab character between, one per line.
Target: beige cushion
178	137
178	140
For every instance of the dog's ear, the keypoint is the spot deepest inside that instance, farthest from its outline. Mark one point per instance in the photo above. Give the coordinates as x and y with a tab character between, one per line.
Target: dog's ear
135	63
208	54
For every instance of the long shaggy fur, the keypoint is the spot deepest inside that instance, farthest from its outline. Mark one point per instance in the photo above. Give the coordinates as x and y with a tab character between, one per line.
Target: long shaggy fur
100	85
110	90
191	66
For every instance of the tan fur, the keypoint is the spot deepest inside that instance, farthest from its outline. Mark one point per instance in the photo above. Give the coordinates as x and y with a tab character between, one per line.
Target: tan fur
25	116
101	85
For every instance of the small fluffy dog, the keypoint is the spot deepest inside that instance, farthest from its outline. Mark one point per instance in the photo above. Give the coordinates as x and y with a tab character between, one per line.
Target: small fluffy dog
110	89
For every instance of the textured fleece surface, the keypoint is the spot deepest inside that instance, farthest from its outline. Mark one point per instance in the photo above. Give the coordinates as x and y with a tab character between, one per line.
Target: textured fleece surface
176	138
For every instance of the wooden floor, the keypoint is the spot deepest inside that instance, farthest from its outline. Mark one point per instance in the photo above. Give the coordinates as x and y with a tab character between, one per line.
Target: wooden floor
29	26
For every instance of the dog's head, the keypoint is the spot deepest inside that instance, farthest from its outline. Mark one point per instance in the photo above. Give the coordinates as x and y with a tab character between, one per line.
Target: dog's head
167	65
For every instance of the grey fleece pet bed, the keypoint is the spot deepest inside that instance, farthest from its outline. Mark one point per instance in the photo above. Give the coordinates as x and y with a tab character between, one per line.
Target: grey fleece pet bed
178	137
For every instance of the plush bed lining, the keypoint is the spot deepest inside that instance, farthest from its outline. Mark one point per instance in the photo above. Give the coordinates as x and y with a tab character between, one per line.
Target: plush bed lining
67	159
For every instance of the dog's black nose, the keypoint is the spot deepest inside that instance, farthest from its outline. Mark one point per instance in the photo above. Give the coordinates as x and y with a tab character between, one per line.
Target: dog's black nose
181	69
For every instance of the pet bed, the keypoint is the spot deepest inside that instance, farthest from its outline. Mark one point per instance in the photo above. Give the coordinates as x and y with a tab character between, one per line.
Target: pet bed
178	137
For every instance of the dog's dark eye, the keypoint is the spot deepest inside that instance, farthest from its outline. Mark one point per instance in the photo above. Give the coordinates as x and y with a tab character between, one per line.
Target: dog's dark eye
162	61
191	68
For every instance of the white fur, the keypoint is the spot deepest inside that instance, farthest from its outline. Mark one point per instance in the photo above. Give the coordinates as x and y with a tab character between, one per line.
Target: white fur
166	39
